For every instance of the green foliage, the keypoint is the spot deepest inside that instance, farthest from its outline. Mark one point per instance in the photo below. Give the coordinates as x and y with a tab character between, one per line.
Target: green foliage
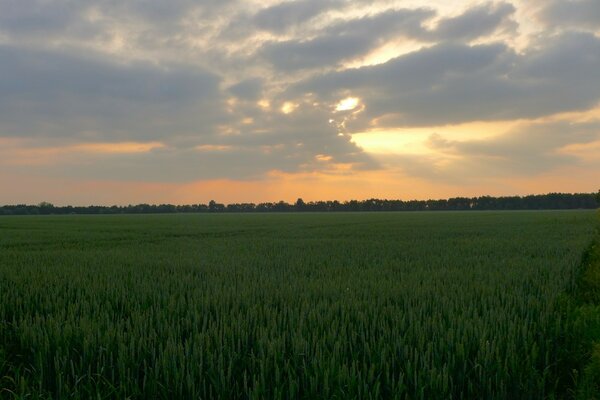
406	306
587	324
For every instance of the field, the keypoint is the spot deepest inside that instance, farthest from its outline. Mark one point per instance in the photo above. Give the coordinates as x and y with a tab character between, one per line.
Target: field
434	305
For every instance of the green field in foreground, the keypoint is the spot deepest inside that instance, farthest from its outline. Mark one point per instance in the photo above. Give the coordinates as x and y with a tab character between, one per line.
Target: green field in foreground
380	305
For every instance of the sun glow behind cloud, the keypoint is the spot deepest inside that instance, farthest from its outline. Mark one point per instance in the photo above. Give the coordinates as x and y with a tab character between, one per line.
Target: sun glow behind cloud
347	104
288	107
385	53
414	140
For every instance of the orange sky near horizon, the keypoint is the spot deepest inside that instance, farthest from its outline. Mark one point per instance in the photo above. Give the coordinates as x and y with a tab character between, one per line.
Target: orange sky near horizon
280	186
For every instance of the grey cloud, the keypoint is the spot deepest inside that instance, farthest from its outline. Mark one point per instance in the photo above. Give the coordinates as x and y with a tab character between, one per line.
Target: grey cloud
475	22
282	16
347	39
321	52
174	165
344	40
276	141
453	83
529	149
154	10
53	93
572	13
38	16
72	18
248	89
571	57
60	98
394	22
411	74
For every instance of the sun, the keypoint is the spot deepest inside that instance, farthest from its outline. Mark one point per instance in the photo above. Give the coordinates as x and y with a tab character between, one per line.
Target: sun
347	104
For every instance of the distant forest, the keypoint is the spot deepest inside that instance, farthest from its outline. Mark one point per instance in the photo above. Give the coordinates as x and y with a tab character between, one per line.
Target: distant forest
551	201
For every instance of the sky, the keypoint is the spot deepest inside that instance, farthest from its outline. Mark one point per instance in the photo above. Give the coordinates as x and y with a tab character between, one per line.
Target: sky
182	101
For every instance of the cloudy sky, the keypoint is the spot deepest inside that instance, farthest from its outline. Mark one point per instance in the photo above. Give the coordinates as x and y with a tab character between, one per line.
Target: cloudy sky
181	101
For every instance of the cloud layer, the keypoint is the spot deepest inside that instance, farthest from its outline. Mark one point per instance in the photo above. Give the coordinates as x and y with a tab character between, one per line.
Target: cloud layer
240	90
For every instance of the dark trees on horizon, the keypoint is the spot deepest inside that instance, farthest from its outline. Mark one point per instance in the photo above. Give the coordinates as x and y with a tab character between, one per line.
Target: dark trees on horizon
551	201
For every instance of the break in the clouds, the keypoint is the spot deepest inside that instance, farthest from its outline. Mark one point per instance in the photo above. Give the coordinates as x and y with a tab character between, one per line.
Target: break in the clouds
186	91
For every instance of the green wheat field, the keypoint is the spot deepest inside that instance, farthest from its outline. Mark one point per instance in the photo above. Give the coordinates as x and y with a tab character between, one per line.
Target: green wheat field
436	305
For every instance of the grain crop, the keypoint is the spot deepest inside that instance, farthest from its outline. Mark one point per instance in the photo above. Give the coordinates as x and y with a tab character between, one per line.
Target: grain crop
436	305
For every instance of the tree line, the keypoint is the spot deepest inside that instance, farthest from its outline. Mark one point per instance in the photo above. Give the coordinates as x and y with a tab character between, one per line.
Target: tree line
551	201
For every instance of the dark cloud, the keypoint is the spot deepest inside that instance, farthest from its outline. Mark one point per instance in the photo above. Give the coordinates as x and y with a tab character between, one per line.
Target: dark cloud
283	16
30	17
391	23
55	93
576	14
454	83
347	39
82	20
344	40
412	72
317	53
476	22
248	89
66	99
